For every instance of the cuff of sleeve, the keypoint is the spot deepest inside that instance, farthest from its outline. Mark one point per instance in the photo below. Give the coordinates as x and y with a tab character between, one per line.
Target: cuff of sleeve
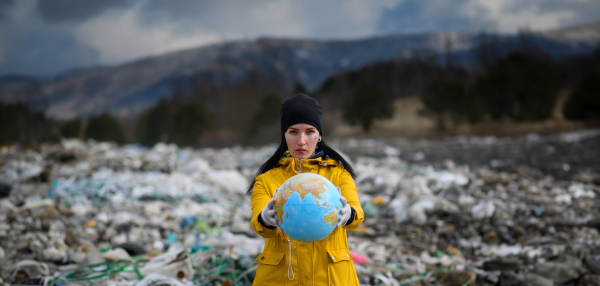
272	227
351	217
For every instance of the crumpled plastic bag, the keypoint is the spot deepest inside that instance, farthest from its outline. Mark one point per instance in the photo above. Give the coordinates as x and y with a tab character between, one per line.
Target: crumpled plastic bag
173	263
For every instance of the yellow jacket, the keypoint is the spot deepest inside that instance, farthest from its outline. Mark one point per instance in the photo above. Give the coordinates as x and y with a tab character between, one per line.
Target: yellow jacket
324	262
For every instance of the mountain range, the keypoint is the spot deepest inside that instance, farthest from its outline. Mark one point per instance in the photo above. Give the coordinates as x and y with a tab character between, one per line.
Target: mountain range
128	88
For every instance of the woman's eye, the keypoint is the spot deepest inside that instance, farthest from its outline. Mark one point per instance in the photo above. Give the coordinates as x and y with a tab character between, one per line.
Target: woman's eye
310	132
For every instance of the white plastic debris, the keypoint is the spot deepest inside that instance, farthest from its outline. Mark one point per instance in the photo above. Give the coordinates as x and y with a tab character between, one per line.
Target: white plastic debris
579	191
36	267
6	206
116	254
173	263
417	212
52	254
447	179
466	200
501	250
483	210
229	180
399	207
564	199
36	204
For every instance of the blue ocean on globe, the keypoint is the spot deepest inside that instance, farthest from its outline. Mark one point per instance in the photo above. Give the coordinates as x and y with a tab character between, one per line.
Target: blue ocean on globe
307	207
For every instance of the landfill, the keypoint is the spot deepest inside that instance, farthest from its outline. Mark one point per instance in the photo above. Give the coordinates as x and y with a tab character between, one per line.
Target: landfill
455	211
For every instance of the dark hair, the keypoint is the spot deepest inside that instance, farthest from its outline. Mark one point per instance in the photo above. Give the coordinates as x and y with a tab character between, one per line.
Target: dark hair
327	152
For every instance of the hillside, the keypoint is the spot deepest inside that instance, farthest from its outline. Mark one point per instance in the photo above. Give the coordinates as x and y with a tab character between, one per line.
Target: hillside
128	88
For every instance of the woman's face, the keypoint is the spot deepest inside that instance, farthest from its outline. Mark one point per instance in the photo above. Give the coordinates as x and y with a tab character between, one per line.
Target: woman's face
302	140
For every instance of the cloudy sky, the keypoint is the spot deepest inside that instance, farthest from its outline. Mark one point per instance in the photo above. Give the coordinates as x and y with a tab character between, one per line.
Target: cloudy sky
45	37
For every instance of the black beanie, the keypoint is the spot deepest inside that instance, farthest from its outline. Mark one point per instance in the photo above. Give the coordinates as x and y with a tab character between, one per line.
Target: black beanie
300	109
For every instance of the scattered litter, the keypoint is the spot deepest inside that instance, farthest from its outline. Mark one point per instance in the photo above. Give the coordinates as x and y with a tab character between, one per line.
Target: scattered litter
457	211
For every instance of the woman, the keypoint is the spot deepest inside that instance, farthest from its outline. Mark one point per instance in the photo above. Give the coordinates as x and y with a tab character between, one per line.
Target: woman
285	261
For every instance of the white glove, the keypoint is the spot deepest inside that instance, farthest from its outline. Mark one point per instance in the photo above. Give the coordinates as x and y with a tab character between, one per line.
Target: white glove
268	213
345	212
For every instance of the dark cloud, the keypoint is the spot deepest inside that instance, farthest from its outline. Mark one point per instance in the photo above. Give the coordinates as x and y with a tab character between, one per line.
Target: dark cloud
31	46
60	11
45	36
585	11
193	8
464	15
45	52
212	15
424	16
203	14
176	9
5	5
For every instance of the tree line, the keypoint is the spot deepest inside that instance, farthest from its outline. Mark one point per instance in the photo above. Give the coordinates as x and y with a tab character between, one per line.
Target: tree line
517	84
521	85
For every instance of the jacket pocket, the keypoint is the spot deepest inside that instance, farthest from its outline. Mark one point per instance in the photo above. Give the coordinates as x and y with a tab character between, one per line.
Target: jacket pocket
269	257
271	270
339	267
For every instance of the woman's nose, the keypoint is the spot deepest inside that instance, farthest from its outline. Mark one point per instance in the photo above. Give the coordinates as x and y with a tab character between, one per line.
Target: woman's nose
302	139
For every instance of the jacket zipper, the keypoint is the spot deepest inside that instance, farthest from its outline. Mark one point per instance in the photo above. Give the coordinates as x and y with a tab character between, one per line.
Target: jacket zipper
299	166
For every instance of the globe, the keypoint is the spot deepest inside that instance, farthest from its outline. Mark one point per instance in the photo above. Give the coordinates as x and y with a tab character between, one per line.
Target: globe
307	206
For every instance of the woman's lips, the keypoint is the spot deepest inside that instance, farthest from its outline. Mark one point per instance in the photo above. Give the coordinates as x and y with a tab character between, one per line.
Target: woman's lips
300	150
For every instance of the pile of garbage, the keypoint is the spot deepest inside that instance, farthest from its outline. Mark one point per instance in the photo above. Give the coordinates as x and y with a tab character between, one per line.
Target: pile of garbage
81	213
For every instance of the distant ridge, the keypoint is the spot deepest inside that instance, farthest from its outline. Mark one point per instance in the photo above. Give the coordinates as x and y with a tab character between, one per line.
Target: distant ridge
589	32
128	88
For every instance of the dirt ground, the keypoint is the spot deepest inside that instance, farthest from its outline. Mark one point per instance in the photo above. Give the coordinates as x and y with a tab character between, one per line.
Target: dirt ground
407	123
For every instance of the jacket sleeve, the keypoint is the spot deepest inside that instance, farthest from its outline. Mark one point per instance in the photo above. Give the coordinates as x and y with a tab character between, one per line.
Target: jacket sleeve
260	198
350	192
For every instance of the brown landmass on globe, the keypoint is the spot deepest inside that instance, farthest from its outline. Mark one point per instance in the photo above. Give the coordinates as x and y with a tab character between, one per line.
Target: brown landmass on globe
330	218
280	200
308	186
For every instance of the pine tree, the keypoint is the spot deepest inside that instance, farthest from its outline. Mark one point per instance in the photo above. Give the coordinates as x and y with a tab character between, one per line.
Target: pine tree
366	105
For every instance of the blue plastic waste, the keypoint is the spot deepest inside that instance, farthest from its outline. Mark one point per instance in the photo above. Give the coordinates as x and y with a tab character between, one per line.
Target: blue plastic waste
171	238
